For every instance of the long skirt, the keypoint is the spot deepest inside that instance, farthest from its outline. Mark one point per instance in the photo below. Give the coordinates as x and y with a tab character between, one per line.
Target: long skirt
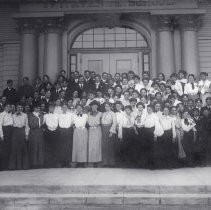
51	148
188	145
140	148
95	145
6	147
128	152
80	145
19	158
108	146
65	145
148	146
36	147
206	147
164	150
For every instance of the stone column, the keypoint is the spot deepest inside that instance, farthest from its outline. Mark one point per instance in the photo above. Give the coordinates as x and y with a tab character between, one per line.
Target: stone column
190	51
166	61
53	53
41	50
28	56
177	49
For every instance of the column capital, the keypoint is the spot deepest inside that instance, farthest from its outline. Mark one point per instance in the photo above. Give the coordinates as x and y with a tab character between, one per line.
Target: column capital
164	23
53	25
26	25
189	22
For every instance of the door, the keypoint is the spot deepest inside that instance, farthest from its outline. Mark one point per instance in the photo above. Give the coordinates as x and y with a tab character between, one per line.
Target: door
95	62
123	62
110	62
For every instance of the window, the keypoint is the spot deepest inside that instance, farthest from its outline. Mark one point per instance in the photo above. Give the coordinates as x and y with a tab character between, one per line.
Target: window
146	62
73	63
117	37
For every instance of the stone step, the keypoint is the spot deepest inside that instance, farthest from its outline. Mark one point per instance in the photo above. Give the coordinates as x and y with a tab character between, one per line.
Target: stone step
24	199
104	189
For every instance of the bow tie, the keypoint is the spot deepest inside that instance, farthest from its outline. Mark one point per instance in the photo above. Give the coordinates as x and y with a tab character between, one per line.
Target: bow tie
80	115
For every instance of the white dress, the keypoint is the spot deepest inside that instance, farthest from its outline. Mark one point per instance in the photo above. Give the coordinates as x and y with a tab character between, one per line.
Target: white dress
80	139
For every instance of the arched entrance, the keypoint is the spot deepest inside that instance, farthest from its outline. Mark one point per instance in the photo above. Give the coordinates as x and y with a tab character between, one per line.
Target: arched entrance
116	49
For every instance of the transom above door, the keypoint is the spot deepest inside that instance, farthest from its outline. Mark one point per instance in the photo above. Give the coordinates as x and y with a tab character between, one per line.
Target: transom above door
110	50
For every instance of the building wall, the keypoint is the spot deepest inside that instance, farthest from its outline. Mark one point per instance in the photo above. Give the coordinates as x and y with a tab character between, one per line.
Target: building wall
9	46
204	39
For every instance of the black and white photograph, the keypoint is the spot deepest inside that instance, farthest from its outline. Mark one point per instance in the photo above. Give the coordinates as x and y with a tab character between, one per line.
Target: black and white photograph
105	104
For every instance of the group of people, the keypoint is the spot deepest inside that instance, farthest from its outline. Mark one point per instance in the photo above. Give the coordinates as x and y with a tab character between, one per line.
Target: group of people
93	120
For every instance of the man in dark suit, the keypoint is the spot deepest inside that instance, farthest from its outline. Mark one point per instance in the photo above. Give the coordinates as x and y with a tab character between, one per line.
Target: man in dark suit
10	93
99	85
88	80
55	92
82	86
26	89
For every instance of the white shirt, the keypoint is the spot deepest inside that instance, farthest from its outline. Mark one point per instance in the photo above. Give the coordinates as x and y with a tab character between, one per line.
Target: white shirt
152	120
189	127
178	86
167	123
65	120
80	121
6	119
51	120
20	121
140	118
119	117
109	118
204	86
126	122
190	90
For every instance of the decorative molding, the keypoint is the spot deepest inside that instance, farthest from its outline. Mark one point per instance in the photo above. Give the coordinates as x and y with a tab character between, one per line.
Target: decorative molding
26	25
189	22
164	23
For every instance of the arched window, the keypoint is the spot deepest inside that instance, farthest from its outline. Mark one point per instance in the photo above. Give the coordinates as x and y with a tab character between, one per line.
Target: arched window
118	37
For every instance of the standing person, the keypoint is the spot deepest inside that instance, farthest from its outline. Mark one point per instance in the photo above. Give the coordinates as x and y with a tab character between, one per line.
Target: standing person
19	155
95	135
188	126
108	135
127	133
51	122
65	136
204	87
165	142
180	153
10	93
80	137
206	136
191	88
6	123
180	83
36	138
141	144
151	130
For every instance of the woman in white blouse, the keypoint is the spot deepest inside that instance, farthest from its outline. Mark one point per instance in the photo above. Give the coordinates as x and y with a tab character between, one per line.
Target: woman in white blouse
191	88
164	151
151	130
6	123
80	137
127	132
65	135
109	124
139	123
204	87
19	154
51	122
188	127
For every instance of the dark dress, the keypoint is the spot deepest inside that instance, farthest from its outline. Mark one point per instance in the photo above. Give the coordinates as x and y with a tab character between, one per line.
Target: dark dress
6	146
19	154
66	145
36	141
148	146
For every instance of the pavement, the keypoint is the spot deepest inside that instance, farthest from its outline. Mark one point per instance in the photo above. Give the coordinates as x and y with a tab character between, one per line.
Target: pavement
105	188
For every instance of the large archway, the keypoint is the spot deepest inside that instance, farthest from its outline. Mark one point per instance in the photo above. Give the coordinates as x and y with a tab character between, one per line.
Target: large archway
114	49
